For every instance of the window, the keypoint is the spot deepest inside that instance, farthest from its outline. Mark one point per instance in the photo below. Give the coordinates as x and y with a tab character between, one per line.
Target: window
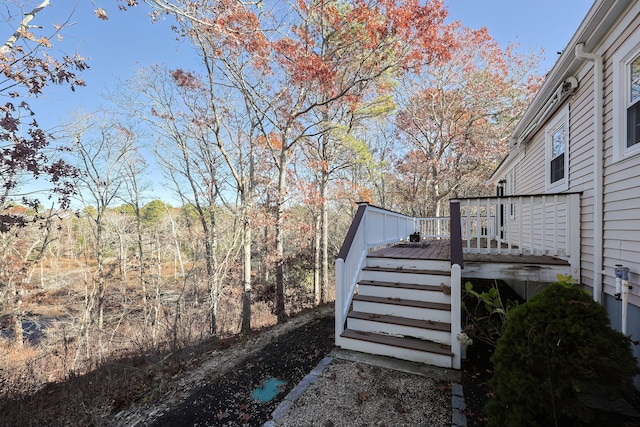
557	155
626	92
633	111
557	158
511	189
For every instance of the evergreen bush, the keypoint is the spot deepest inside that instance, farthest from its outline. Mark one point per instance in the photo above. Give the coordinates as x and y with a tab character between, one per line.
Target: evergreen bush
557	360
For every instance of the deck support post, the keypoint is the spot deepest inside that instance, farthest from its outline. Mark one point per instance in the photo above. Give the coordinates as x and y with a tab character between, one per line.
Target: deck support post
456	314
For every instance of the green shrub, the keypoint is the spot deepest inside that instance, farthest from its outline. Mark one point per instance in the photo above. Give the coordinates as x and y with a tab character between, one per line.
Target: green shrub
485	305
557	359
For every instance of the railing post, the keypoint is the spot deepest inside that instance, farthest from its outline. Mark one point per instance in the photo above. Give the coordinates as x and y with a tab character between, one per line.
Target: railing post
520	213
532	221
456	313
340	297
455	234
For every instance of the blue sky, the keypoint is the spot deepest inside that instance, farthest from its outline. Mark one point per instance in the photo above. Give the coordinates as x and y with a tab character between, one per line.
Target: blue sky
130	40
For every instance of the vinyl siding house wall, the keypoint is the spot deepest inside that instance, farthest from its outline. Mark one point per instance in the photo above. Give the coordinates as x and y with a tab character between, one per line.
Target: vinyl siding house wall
599	165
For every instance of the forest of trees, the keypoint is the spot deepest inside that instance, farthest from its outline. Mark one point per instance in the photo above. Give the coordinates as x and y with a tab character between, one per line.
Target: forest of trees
298	111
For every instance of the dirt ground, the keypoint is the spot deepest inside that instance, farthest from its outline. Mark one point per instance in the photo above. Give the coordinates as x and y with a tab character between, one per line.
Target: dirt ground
215	379
227	399
212	385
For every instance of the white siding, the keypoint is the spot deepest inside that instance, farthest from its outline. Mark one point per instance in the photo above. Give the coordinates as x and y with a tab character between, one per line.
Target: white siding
581	166
621	192
530	178
530	172
581	134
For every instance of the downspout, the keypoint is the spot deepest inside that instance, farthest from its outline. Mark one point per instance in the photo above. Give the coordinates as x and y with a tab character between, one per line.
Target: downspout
598	145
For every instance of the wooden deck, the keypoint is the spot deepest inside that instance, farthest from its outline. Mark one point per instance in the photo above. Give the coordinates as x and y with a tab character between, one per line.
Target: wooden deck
538	268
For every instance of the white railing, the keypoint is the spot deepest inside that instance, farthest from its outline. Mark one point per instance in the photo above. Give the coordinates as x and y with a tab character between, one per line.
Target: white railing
522	225
433	228
372	227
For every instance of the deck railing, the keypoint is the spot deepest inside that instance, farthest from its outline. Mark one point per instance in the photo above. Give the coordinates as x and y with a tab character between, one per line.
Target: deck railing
522	225
371	227
516	225
433	228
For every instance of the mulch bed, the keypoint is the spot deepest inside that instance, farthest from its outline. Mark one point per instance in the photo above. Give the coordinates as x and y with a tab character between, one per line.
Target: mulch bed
227	401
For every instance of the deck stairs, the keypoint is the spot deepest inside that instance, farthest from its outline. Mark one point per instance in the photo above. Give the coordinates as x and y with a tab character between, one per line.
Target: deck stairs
402	309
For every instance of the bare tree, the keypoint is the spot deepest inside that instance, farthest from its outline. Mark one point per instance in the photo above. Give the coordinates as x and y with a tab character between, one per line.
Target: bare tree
133	196
289	63
188	154
100	151
20	254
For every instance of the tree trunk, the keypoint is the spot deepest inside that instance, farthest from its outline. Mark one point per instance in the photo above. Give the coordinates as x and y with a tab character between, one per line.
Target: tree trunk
123	265
208	222
213	307
143	285
158	296
324	233
317	280
246	270
431	196
100	257
282	190
212	273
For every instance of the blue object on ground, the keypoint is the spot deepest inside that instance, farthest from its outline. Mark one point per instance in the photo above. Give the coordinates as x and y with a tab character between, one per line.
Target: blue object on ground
270	389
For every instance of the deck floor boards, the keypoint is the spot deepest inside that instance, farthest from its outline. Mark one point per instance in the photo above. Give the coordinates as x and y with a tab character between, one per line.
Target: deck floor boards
441	249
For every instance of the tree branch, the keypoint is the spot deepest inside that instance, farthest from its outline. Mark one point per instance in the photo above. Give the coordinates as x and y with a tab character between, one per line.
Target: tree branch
22	28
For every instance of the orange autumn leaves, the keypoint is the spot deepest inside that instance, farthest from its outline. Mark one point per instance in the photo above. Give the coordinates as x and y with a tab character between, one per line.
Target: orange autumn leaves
273	141
336	43
325	45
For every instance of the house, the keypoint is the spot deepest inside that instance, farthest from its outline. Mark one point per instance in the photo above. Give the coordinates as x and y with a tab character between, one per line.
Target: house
581	134
567	201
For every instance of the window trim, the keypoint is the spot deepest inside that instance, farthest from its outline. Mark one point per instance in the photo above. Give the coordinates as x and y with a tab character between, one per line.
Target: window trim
560	119
627	53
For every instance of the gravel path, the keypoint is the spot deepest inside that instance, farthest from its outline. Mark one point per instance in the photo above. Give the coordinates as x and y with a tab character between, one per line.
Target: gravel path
349	394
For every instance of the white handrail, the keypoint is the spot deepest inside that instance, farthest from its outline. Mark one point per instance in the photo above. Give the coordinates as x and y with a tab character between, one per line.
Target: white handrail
532	224
376	227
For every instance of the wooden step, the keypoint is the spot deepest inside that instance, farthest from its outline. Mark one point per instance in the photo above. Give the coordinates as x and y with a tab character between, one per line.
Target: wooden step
434	291
401	321
405	302
409	270
399	285
406	275
408	343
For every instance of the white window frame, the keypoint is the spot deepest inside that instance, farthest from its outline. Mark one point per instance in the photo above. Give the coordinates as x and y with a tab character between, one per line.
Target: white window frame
511	189
561	119
626	54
